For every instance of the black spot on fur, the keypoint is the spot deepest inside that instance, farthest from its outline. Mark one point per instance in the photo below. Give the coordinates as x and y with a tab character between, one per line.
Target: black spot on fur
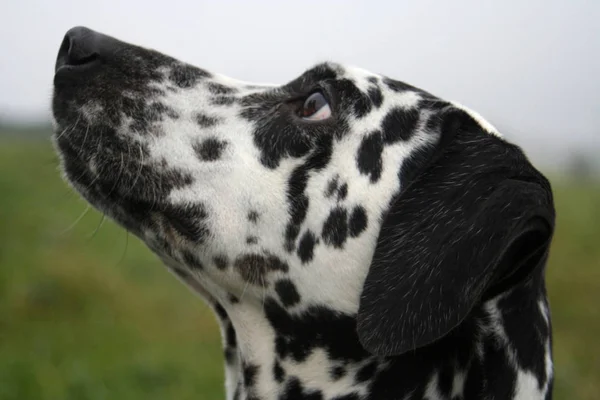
376	96
299	201
250	372
281	346
185	76
332	186
366	372
372	79
191	260
343	192
306	247
316	327
358	221
398	86
217	88
210	149
291	233
299	209
230	336
278	372
230	356
321	156
158	109
254	267
399	124
352	97
287	292
294	390
220	262
251	240
253	216
337	372
362	107
298	204
188	221
278	138
349	396
335	228
222	100
233	299
221	313
368	158
206	121
144	115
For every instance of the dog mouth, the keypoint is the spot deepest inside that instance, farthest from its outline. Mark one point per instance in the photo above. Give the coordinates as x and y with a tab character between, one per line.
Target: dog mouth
118	181
107	107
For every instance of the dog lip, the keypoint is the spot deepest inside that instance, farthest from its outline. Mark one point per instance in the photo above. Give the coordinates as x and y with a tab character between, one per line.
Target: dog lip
63	70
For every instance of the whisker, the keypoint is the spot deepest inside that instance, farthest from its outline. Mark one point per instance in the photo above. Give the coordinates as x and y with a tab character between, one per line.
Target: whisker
244	290
121	167
70	227
264	288
72	128
125	249
139	171
84	139
93	234
63	132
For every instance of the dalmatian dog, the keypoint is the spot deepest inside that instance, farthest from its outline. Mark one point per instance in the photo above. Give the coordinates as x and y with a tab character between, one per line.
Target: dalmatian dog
358	238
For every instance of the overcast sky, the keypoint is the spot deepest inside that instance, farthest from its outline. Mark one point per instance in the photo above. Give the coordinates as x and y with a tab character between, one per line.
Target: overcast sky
530	67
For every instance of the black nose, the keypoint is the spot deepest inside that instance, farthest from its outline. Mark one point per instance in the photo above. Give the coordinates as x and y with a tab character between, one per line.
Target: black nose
83	47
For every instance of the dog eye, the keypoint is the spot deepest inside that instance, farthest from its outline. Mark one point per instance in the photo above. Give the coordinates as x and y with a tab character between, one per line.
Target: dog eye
315	108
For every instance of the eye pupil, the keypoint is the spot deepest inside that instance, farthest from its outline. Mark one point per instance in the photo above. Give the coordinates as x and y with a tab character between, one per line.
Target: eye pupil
314	105
310	107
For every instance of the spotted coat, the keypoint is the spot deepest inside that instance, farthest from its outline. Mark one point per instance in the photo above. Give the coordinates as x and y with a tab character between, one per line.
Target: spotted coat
392	249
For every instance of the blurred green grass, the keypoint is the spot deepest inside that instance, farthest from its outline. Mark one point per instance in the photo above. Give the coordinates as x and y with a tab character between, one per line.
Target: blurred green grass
86	312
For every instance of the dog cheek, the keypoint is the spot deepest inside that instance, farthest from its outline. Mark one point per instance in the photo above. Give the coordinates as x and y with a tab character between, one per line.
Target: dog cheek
188	221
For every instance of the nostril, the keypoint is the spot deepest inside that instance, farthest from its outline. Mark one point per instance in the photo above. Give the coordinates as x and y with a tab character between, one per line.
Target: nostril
63	51
64	47
79	47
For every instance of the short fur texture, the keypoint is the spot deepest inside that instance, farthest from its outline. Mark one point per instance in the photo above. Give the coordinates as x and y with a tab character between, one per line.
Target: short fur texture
395	250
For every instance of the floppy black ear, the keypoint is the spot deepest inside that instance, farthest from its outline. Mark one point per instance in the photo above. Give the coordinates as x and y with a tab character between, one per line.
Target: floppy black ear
477	219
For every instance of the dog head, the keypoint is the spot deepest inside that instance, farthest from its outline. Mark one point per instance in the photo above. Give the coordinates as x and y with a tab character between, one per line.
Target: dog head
342	188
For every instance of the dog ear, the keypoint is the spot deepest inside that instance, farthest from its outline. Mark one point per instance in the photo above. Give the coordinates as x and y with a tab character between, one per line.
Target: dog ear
475	221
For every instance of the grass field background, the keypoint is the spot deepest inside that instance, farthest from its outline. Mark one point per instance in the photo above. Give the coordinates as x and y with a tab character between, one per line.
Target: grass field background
88	313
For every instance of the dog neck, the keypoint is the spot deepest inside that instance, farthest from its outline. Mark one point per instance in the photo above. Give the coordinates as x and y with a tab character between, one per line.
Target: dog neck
271	352
315	353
